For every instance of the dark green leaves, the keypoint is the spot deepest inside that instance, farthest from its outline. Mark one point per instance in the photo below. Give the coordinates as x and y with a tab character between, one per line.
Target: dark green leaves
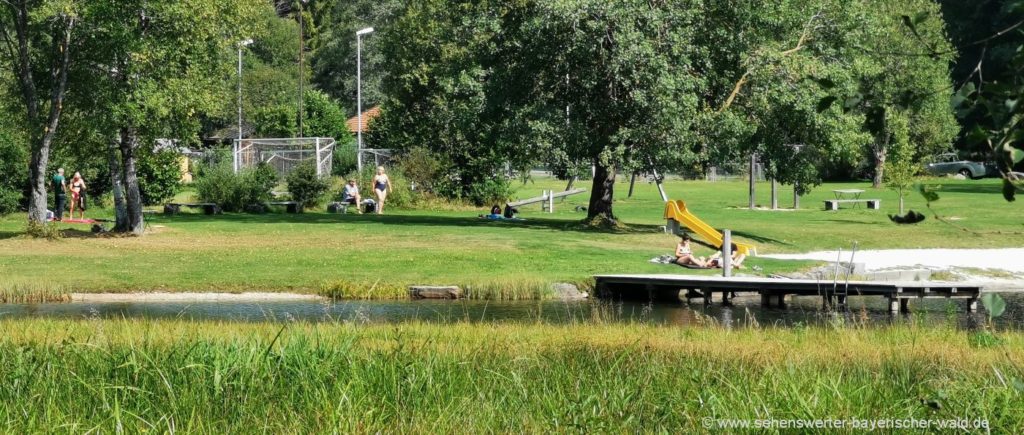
826	103
994	304
929	192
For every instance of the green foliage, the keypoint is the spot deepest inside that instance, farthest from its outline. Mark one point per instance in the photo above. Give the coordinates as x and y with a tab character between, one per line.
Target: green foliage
901	168
50	231
994	304
344	158
305	186
14	167
428	170
276	121
159	176
233	192
324	118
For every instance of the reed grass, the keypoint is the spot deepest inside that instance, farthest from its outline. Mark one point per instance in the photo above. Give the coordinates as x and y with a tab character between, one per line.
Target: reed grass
496	289
135	376
16	292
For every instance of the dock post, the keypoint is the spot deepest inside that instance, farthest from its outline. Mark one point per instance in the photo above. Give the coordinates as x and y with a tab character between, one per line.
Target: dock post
782	300
904	305
707	296
766	300
972	305
841	301
726	253
894	305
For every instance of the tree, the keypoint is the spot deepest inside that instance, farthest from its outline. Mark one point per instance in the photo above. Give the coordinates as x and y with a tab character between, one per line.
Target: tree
902	167
156	66
990	76
334	58
37	46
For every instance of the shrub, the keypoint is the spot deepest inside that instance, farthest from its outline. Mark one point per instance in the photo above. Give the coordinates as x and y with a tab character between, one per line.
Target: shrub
233	192
159	176
425	168
400	197
492	191
14	167
344	159
305	186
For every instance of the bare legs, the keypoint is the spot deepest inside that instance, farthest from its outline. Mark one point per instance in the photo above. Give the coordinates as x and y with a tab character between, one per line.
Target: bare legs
382	195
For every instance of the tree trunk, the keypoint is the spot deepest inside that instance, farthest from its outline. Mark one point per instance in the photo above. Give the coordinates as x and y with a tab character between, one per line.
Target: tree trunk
602	194
37	203
881	151
129	143
117	187
901	202
880	155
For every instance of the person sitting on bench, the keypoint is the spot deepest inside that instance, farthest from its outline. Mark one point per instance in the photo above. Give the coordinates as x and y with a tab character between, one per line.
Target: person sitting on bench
350	194
684	255
737	258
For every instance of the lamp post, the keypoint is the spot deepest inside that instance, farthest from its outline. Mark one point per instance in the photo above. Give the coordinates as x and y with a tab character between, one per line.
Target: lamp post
302	46
359	96
238	144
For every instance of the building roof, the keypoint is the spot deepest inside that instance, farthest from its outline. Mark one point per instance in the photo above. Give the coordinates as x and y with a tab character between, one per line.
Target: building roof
353	122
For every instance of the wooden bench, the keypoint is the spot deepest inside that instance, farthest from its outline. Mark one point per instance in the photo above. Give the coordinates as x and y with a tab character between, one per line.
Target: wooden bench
833	204
175	207
290	206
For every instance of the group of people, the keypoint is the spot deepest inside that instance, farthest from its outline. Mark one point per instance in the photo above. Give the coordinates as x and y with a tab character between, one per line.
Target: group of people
61	187
381	188
686	258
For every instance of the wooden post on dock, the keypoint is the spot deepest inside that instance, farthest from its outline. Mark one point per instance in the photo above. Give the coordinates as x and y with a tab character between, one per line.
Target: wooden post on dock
727	253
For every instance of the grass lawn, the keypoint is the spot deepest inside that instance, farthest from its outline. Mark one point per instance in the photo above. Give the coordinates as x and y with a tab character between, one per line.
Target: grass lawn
138	376
355	254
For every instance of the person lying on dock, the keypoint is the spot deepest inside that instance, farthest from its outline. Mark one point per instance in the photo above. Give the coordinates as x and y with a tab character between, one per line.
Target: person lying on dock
737	258
684	255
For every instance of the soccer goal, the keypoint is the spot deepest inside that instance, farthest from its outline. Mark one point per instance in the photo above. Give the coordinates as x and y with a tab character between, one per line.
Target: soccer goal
285	154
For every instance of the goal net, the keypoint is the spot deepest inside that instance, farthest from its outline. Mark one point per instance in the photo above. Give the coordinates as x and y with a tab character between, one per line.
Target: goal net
284	155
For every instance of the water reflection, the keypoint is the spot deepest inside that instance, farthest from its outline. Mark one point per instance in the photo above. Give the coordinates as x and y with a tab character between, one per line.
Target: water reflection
745	312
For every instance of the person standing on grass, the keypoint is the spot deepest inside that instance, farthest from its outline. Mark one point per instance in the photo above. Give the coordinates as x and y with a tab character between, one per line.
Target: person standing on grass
381	188
60	195
78	195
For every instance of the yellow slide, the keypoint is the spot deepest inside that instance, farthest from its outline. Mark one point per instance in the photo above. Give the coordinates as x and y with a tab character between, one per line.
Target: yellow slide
676	211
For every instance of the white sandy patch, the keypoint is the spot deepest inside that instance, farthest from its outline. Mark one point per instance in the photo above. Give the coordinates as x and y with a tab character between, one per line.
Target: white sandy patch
1010	259
192	297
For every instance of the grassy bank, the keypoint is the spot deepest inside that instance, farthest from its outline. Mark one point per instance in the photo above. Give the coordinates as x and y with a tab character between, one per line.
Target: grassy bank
318	251
158	375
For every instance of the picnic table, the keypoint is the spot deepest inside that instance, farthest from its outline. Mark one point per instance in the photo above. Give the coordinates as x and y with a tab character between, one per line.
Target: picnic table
851	196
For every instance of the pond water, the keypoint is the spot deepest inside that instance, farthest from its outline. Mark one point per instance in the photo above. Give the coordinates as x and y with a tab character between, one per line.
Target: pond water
745	312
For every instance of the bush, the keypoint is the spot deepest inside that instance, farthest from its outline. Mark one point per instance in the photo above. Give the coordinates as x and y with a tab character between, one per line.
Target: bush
159	176
492	191
305	186
400	197
425	168
14	167
344	159
233	192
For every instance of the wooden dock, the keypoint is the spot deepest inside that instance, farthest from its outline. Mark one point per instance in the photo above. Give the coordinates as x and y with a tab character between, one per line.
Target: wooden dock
773	291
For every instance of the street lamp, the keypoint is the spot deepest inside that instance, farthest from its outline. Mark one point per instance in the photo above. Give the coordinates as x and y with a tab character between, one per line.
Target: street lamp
359	96
241	45
302	46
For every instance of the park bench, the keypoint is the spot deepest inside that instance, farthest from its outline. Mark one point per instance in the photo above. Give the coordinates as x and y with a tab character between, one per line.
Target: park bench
833	204
175	207
290	206
342	206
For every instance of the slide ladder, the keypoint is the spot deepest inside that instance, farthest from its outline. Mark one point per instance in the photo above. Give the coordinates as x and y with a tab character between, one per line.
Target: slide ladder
677	214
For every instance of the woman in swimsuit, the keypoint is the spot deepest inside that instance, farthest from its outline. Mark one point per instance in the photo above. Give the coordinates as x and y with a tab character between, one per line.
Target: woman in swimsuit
684	255
78	195
381	188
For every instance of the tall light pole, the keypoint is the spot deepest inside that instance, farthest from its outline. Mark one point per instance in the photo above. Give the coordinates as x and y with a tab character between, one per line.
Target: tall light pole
241	45
302	47
359	96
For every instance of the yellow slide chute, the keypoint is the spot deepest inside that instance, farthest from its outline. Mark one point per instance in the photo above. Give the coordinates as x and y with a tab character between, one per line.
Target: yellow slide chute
676	211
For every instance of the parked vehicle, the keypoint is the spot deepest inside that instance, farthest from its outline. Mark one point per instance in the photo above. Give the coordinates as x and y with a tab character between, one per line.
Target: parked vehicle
950	164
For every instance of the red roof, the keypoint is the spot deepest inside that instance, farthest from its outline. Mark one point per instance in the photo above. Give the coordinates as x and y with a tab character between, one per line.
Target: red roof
353	122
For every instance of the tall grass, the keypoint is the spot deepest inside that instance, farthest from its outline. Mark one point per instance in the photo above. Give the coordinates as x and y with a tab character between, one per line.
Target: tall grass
134	376
15	292
493	289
